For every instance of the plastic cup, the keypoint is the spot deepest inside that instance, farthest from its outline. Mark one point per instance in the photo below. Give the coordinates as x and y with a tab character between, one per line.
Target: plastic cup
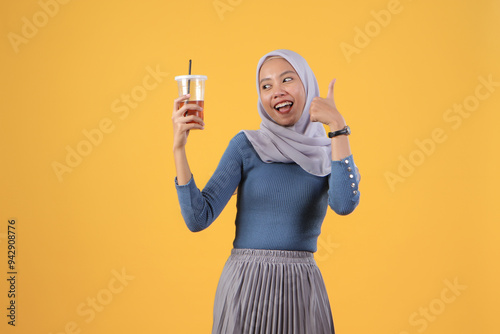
194	85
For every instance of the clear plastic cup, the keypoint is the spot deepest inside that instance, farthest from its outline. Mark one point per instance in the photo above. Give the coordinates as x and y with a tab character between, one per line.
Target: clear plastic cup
194	85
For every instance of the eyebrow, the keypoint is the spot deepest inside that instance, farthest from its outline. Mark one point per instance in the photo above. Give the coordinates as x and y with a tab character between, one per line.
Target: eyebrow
282	74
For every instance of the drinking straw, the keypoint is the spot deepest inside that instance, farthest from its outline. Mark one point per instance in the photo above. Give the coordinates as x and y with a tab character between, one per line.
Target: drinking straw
189	72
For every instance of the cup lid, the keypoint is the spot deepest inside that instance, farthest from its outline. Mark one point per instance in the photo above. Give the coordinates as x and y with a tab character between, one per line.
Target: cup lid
190	77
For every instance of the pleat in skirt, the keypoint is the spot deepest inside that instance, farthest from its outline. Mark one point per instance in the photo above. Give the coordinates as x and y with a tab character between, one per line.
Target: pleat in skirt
271	292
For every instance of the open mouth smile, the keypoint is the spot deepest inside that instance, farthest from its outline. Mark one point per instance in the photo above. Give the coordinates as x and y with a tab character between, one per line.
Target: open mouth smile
284	106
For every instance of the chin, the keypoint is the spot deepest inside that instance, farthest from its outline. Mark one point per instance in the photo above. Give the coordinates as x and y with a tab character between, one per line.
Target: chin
287	122
283	120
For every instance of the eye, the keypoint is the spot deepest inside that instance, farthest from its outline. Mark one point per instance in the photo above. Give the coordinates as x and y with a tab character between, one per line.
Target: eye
266	86
287	79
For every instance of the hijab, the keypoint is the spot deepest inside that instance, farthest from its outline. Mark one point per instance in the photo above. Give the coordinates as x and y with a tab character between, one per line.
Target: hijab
304	143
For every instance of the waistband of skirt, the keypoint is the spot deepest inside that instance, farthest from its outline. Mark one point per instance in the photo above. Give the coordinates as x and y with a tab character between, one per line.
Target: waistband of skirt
271	255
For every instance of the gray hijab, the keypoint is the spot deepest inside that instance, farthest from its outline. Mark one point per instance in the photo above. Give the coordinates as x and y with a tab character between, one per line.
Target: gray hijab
304	143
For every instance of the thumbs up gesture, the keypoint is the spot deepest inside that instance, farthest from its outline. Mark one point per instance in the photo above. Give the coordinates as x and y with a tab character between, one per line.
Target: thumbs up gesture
325	111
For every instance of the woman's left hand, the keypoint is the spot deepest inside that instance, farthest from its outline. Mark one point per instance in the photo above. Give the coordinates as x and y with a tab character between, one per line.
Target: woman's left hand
325	111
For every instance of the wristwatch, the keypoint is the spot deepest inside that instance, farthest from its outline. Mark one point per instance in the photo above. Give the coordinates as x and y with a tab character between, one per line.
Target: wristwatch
345	131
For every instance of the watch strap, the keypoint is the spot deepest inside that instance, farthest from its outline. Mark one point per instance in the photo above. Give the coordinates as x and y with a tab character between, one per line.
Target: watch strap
343	131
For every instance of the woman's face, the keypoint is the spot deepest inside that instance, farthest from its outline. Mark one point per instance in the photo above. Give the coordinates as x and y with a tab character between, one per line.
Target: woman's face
281	91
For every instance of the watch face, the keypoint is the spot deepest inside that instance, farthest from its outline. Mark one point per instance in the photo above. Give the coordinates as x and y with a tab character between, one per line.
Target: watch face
348	130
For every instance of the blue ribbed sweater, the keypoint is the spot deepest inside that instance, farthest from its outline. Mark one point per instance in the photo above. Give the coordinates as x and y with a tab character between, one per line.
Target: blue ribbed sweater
279	206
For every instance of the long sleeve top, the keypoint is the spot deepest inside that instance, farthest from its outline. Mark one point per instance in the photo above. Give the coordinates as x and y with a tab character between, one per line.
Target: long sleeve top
279	205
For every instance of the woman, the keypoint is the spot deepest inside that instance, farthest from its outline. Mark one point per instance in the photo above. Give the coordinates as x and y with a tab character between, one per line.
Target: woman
286	174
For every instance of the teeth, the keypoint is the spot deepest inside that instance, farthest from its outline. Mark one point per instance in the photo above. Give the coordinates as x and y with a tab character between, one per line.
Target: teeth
282	104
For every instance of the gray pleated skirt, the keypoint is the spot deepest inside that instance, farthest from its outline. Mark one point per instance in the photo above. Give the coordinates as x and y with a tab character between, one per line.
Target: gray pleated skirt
271	292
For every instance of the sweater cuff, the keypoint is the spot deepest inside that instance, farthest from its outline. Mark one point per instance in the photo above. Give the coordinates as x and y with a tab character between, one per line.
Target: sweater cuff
346	169
346	166
191	180
188	194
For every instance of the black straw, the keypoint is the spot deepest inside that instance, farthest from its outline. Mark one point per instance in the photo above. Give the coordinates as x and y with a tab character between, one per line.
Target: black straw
189	72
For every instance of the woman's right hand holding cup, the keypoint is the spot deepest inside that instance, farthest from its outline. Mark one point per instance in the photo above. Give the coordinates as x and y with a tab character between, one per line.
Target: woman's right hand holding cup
183	123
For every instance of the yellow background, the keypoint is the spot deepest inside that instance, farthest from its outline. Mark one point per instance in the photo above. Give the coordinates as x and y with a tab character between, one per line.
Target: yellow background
117	210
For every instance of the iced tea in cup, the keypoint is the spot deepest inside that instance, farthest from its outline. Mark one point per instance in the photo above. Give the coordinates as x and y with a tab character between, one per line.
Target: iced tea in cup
194	85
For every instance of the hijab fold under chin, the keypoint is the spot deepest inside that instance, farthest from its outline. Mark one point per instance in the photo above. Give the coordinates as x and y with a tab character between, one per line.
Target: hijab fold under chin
304	143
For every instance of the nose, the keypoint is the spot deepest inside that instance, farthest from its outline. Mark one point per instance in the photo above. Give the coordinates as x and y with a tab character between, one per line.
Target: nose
278	91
